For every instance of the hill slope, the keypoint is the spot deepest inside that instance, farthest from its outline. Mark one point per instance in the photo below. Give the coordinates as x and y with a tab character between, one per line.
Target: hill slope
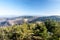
21	19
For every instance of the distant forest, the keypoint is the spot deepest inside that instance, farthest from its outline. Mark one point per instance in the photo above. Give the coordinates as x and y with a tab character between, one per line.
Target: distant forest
48	30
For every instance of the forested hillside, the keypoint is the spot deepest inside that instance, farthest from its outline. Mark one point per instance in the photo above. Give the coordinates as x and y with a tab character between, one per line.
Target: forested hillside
29	19
49	30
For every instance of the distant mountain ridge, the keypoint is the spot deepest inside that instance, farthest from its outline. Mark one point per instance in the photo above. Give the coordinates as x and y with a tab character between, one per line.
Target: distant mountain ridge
30	19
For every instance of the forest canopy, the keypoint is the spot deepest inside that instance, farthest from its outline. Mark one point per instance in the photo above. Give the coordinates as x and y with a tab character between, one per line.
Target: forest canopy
48	30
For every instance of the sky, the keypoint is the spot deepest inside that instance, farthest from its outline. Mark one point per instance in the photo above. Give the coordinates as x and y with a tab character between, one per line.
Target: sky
29	7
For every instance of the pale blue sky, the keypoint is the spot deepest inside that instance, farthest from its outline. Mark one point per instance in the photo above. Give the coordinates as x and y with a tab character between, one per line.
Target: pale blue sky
29	7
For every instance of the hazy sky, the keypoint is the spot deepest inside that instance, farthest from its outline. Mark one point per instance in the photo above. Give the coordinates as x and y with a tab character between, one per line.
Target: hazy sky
29	7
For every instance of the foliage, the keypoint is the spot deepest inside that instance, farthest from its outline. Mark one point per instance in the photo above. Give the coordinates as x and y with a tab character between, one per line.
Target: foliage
48	30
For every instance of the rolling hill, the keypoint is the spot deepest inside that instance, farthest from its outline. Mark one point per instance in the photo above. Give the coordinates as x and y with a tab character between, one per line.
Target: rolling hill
28	19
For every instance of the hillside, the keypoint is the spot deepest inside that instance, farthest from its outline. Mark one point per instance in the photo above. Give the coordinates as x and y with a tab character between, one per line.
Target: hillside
28	19
49	30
